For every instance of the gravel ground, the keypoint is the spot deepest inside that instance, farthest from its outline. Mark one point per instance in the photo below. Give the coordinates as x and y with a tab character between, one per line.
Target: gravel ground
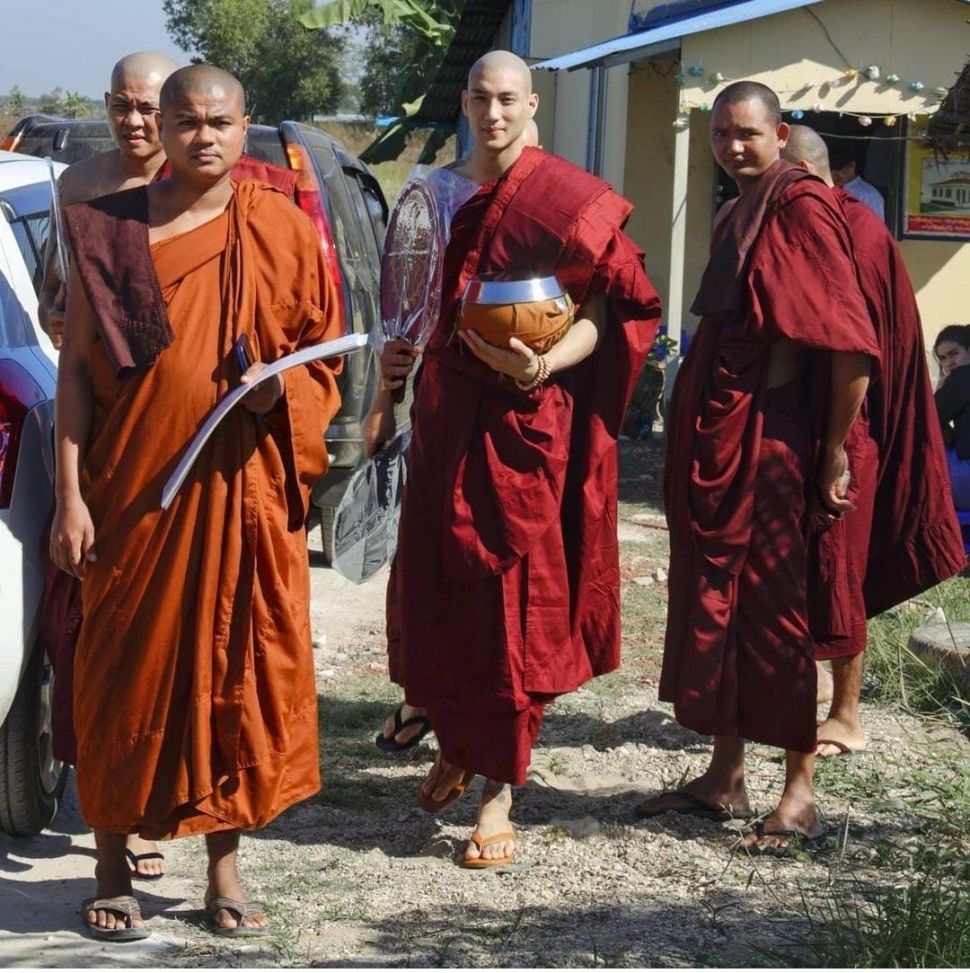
361	876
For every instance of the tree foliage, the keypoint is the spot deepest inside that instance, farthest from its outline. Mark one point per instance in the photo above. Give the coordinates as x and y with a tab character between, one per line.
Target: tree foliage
16	103
287	71
419	17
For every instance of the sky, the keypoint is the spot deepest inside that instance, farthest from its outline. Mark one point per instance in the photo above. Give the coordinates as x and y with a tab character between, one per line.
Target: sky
73	44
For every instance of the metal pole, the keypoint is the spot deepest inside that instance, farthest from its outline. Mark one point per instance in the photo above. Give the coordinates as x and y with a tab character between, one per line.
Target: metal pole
678	248
596	131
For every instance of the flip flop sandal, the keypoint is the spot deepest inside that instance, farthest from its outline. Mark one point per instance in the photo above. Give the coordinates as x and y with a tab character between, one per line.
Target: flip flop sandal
693	806
124	905
481	842
429	804
134	859
243	910
390	744
804	842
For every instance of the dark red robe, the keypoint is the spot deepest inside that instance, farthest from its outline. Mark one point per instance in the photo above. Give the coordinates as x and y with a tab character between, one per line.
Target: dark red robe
505	588
740	470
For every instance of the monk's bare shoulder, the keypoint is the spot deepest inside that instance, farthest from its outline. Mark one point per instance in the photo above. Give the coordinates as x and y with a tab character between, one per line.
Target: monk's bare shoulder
89	179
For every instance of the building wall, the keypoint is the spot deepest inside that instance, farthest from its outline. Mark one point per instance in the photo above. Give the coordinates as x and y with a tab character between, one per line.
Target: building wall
560	26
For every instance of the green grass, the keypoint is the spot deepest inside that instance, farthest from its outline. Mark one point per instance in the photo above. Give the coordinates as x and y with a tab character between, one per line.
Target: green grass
923	924
898	677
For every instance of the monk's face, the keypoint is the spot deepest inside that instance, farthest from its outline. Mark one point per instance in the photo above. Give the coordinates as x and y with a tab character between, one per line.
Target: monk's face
132	107
745	140
950	355
203	133
497	105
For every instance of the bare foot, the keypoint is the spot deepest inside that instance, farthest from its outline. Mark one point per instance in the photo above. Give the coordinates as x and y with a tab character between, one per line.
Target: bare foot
837	736
407	733
796	813
825	687
493	819
224	882
732	799
140	865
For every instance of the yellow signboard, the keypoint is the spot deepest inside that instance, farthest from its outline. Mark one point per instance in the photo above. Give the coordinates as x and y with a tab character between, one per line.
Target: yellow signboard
936	203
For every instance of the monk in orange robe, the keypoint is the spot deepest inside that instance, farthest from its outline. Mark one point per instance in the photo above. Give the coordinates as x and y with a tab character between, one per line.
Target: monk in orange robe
765	448
196	616
505	588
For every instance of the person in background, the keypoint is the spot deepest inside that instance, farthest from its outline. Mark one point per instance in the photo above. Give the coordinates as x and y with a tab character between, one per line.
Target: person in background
846	176
952	350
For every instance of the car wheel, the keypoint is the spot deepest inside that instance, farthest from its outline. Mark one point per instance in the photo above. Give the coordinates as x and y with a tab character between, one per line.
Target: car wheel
31	779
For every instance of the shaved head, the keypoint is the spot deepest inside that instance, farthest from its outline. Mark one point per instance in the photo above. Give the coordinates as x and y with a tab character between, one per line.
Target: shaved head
143	66
806	145
206	80
502	62
740	91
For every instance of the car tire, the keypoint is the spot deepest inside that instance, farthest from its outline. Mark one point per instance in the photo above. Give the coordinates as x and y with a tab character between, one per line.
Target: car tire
31	780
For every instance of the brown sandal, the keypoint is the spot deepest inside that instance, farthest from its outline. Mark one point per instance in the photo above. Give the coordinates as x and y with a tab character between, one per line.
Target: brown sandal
481	842
429	804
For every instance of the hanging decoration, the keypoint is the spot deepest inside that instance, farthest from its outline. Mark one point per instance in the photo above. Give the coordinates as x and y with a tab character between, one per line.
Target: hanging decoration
872	72
798	114
865	121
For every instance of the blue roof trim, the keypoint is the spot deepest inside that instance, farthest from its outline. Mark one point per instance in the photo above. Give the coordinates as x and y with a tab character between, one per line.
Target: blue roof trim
674	10
661	36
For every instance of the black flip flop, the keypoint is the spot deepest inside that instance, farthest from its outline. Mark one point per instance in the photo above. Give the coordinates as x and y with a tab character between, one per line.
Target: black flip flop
804	842
694	807
134	859
390	745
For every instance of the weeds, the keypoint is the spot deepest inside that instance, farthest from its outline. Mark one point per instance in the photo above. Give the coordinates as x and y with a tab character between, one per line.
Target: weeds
894	674
923	924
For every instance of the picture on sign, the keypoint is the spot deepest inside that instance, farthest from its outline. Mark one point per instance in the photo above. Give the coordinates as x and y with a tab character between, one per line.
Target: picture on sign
935	201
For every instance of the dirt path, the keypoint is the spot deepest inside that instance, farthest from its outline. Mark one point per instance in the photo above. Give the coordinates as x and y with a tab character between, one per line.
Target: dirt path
360	876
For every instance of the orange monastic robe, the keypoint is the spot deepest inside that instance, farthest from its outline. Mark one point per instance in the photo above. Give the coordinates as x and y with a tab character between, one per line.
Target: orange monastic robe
194	697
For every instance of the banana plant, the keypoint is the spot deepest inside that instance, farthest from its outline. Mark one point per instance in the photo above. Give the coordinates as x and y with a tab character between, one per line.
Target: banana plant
409	13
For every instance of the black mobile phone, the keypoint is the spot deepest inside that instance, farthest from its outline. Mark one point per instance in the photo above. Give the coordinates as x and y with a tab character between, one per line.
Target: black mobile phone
244	353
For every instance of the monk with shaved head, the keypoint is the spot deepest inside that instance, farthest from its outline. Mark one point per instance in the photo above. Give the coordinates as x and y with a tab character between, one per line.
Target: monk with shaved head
903	536
765	453
505	587
195	704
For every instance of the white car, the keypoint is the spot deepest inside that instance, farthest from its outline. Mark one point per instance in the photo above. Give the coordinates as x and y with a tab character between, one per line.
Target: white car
31	780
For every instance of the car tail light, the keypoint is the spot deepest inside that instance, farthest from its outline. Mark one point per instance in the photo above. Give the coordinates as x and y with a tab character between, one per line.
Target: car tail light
310	200
19	393
10	143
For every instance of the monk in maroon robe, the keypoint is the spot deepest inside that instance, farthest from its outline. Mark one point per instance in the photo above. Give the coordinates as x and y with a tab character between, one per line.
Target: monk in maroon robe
505	588
903	536
763	447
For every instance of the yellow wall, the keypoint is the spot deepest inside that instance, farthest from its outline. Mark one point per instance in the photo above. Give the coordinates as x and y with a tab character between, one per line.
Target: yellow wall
561	26
920	40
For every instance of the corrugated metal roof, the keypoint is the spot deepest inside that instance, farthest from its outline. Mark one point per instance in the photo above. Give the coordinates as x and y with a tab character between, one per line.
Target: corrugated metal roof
480	20
665	33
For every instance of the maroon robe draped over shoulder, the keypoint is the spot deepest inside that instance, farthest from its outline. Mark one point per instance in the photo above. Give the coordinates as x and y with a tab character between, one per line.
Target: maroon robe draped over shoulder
505	587
739	653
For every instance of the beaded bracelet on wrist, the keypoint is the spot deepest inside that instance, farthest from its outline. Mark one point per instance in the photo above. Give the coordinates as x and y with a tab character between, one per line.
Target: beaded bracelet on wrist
542	373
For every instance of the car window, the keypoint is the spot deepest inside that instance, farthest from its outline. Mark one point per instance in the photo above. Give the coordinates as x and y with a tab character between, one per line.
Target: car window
27	210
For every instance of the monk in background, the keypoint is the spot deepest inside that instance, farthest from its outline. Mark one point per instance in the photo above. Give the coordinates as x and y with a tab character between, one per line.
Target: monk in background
903	537
132	110
196	616
504	592
762	444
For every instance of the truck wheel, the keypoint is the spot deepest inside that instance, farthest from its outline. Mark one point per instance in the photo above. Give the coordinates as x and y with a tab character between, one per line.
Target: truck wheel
31	779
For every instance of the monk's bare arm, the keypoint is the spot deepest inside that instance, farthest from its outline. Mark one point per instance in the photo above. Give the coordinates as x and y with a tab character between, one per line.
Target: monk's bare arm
522	364
850	382
72	532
